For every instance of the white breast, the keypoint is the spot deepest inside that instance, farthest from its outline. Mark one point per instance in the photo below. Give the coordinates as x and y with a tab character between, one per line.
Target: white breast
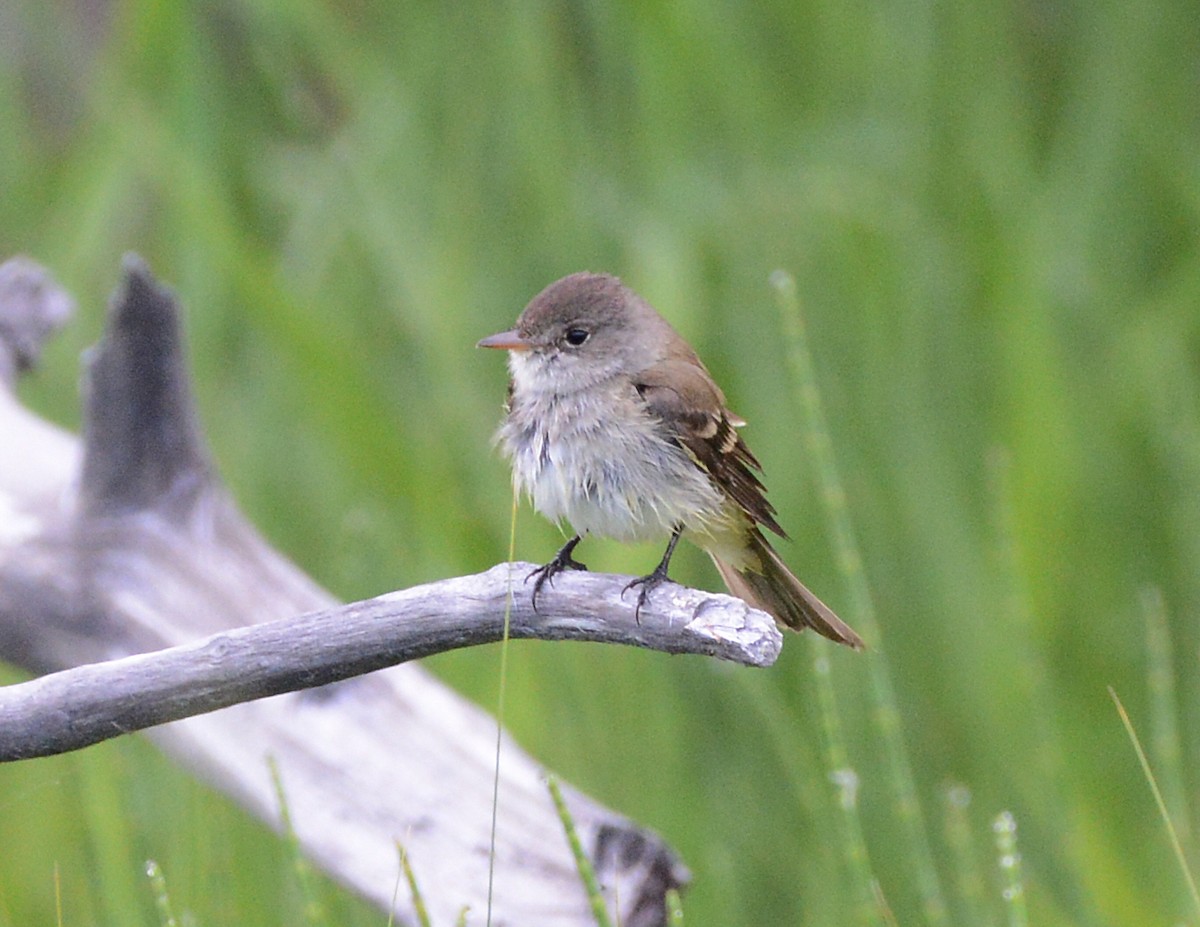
599	460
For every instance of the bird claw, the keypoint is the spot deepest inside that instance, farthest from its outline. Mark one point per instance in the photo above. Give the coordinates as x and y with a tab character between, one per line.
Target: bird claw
648	584
545	574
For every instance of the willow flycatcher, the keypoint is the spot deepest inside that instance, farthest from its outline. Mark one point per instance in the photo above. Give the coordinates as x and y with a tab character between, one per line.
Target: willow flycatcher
616	426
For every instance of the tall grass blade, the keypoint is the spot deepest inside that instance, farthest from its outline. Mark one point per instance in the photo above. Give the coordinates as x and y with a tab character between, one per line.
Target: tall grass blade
586	872
314	910
414	889
969	877
1180	857
162	898
674	908
1005	828
503	685
862	610
400	873
845	780
886	914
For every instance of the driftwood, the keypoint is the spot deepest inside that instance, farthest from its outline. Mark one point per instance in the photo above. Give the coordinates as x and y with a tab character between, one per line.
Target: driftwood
128	575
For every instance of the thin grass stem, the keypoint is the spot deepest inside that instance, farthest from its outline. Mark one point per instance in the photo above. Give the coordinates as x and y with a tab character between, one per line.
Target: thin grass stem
1180	857
845	779
414	889
314	909
586	873
854	846
502	687
969	877
396	887
886	914
674	908
1013	893
162	898
887	716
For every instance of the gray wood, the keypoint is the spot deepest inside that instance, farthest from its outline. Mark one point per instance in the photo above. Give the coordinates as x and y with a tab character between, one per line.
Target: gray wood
78	707
129	577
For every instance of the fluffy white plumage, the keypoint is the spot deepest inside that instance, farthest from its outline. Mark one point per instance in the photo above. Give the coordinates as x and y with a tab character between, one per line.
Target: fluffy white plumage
597	458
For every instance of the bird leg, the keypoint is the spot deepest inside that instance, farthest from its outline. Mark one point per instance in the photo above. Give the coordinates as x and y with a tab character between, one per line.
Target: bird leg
562	561
659	575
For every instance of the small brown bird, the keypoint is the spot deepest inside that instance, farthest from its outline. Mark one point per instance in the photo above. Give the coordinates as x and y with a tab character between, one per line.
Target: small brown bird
615	425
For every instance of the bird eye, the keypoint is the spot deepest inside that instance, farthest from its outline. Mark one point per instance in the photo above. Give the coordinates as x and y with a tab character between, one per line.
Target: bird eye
577	336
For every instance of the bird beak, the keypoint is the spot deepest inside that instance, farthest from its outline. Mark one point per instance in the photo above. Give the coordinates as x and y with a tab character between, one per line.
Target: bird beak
509	341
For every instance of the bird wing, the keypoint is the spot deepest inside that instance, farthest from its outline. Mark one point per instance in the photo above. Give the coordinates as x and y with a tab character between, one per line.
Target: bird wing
682	394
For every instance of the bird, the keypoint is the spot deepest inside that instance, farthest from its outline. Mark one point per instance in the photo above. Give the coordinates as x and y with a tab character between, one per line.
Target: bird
614	425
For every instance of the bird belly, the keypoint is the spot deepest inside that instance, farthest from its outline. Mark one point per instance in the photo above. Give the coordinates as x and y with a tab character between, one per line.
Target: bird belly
621	480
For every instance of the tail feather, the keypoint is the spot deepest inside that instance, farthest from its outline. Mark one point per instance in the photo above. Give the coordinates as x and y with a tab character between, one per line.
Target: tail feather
768	584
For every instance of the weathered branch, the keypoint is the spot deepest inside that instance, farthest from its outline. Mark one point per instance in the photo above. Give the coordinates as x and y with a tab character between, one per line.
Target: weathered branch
78	707
130	545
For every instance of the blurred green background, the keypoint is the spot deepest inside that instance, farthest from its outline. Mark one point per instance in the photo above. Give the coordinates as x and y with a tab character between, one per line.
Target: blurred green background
992	214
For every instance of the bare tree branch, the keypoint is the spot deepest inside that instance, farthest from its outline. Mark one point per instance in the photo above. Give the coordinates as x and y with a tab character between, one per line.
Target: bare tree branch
78	707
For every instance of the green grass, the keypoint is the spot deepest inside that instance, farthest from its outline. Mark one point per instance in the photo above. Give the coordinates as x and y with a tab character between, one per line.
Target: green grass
420	912
1167	820
991	213
162	895
1011	868
587	874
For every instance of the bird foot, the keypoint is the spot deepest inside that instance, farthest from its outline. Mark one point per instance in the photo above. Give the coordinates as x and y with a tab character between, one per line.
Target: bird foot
562	561
648	584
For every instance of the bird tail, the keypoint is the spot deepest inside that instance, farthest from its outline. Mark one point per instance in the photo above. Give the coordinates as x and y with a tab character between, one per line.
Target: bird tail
766	583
